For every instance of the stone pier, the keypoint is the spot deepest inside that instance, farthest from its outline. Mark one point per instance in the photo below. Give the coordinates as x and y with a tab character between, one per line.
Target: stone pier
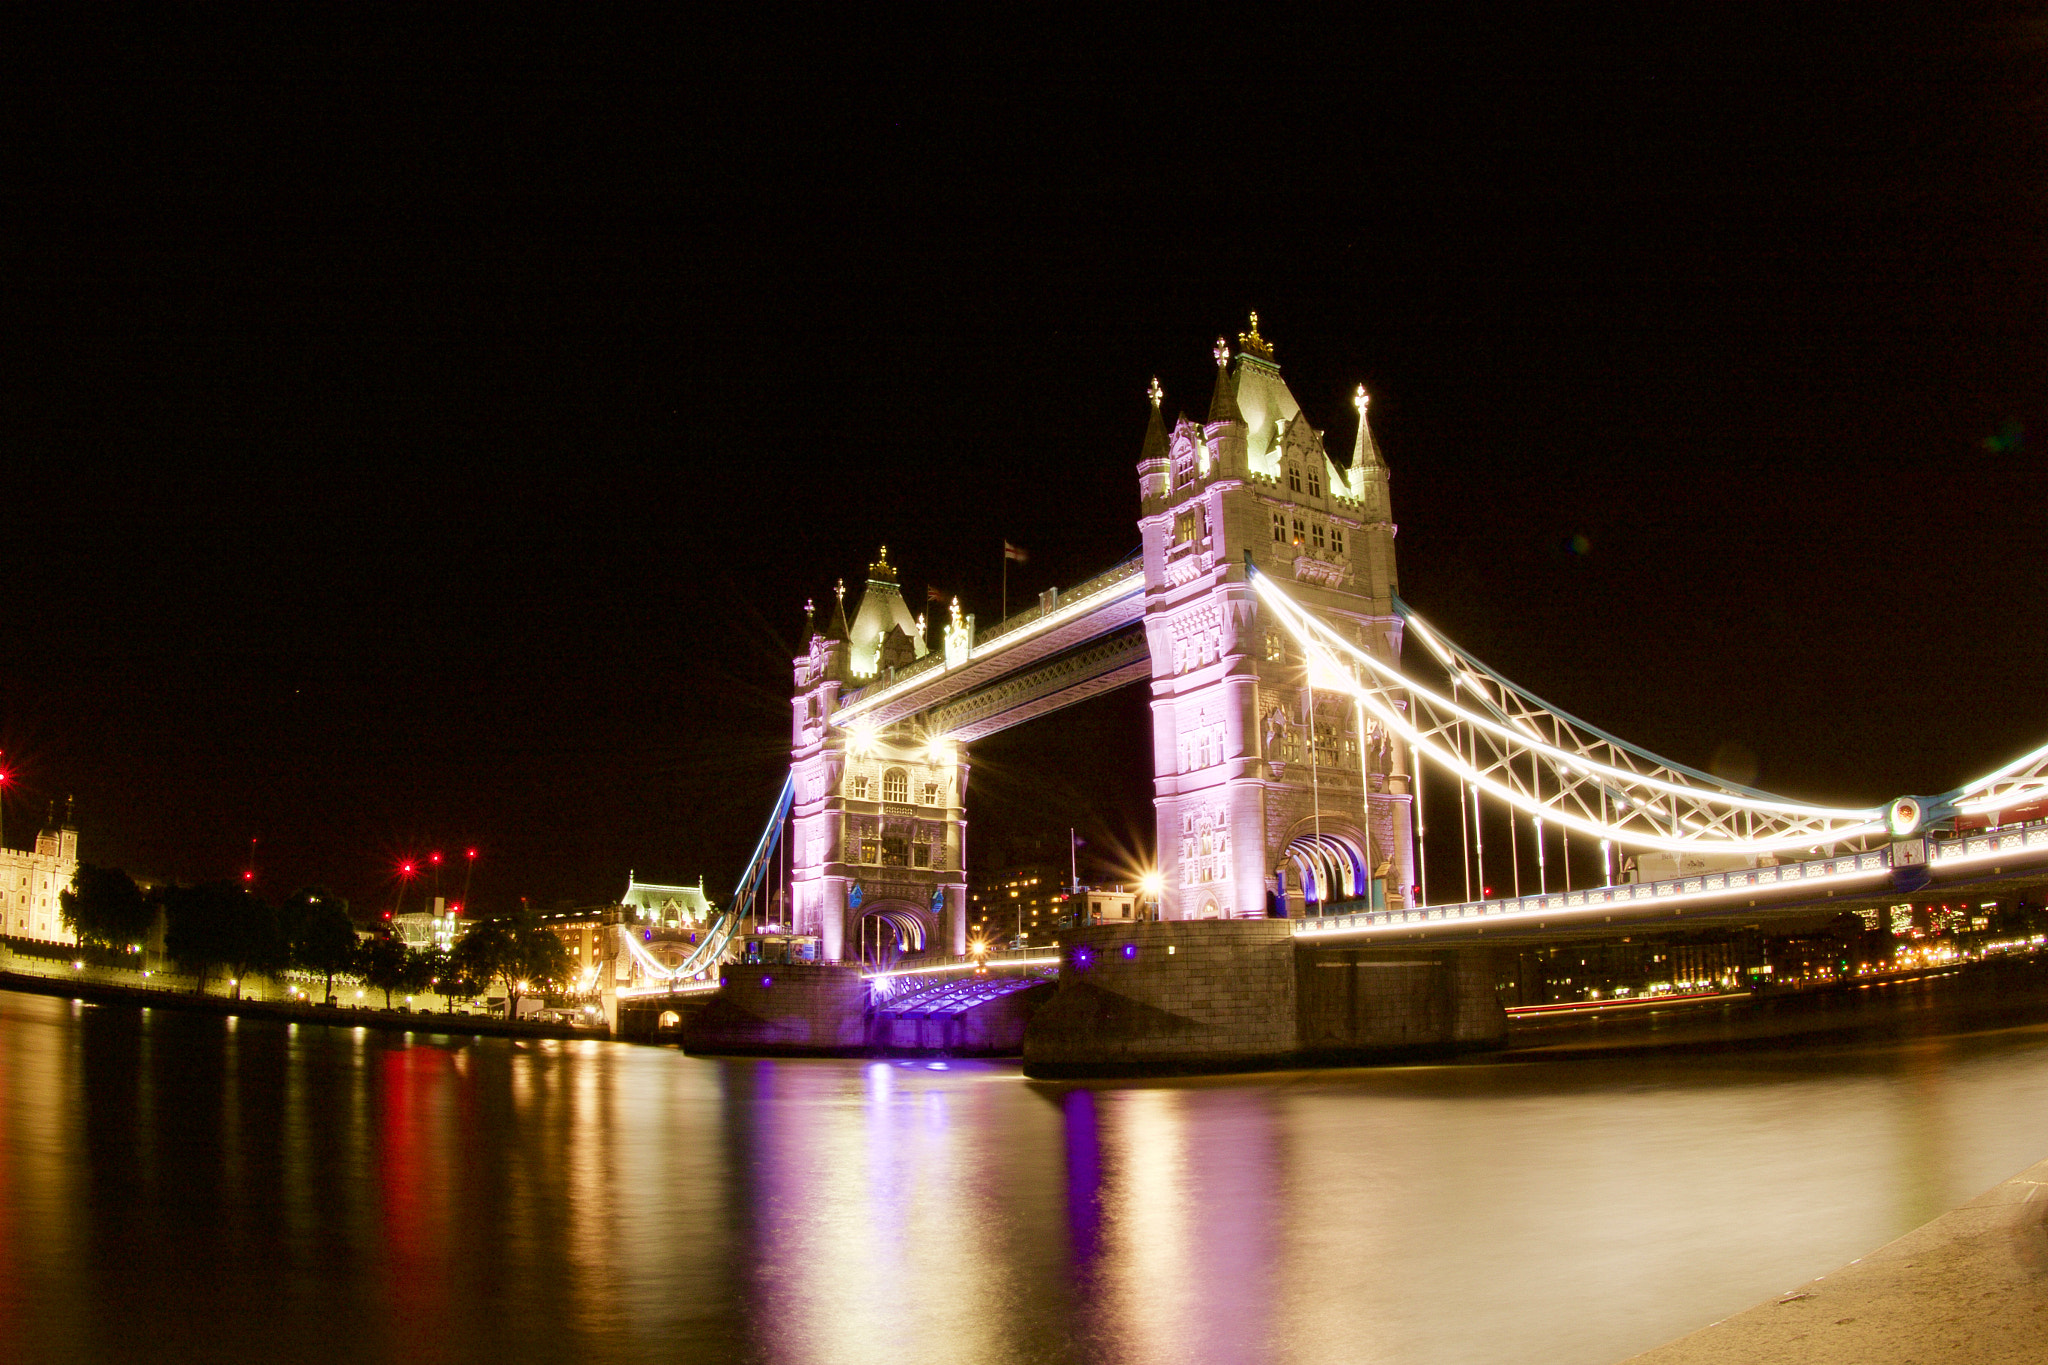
1231	995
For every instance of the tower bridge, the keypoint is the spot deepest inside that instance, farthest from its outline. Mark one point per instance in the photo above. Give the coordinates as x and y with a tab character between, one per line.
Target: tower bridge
1290	739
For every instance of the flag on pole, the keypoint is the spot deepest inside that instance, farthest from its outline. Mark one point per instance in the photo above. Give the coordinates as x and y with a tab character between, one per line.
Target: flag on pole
932	594
1015	552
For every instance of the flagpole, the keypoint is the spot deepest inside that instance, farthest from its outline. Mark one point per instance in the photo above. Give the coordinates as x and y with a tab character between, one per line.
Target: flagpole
1006	582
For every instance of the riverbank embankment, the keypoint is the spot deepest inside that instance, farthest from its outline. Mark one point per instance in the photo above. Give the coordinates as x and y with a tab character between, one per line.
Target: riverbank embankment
1970	1287
461	1025
1963	997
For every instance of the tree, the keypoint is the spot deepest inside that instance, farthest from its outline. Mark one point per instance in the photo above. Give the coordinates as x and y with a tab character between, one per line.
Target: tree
540	958
105	907
519	952
448	976
220	924
480	954
387	965
323	937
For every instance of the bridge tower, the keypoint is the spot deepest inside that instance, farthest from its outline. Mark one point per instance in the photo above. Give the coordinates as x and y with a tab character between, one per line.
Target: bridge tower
1268	793
877	825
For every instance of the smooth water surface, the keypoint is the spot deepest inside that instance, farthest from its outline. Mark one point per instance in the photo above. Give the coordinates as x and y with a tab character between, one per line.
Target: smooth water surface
182	1187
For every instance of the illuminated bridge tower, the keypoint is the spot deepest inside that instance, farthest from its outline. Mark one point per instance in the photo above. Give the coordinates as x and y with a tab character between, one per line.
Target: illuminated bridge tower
1267	793
877	829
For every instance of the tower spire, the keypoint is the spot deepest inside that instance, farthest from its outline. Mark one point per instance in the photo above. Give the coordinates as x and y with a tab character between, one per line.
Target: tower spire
1223	403
840	630
1155	426
1365	452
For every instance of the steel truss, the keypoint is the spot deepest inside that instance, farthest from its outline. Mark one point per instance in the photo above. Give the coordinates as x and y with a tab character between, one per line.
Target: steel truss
1549	764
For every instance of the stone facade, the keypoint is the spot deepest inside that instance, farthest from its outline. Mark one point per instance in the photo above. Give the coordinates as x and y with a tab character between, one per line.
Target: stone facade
1173	996
1160	996
1267	794
32	879
808	1009
877	821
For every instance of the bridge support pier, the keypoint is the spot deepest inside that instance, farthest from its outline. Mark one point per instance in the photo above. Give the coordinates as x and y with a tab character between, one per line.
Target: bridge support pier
1171	997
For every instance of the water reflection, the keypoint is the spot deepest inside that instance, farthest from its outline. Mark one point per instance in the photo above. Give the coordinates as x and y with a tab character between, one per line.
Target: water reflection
176	1187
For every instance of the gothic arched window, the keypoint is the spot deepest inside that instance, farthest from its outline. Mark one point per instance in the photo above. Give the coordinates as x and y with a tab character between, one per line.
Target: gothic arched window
896	785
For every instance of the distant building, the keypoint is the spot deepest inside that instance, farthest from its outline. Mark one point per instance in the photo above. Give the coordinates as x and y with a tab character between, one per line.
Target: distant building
1110	904
435	928
675	906
32	879
1017	902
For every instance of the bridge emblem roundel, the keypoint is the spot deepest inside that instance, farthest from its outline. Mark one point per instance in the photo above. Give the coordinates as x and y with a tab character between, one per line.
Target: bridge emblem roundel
1905	817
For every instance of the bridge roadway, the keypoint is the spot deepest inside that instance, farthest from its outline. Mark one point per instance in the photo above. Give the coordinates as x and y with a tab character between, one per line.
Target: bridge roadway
1984	861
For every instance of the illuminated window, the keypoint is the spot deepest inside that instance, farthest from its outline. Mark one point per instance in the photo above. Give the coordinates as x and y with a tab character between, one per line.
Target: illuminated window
896	785
1299	531
1184	527
1294	477
871	850
1276	648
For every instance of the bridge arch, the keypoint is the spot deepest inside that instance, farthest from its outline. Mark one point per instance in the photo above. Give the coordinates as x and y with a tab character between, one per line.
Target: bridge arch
1325	866
888	932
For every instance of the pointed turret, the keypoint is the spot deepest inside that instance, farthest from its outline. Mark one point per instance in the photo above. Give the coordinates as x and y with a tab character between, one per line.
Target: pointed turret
1155	428
840	630
1365	453
1223	403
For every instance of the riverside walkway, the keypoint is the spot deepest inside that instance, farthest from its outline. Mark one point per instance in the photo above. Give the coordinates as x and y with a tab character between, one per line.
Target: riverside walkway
1969	1288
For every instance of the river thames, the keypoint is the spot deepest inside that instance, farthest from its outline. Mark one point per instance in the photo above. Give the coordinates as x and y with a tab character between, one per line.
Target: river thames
184	1187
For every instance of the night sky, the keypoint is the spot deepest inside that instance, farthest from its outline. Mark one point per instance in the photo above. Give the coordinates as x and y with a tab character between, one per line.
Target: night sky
429	437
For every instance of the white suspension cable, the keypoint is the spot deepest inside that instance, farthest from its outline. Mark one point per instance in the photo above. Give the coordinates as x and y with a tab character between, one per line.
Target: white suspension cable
1657	810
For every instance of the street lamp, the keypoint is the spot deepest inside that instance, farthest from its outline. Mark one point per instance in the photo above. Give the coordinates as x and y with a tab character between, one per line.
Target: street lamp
1152	884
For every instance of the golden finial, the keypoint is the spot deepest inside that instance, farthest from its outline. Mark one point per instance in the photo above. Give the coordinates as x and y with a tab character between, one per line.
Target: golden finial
1222	353
882	568
1360	399
1254	344
1155	393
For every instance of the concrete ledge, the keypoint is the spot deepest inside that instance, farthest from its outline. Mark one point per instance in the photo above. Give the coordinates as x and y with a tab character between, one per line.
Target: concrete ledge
1970	1287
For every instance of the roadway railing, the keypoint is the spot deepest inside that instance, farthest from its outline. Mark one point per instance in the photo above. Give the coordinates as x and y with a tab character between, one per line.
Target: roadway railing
1959	851
1811	872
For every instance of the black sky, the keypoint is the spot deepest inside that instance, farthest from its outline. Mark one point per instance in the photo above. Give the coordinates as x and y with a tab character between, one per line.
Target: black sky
422	437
